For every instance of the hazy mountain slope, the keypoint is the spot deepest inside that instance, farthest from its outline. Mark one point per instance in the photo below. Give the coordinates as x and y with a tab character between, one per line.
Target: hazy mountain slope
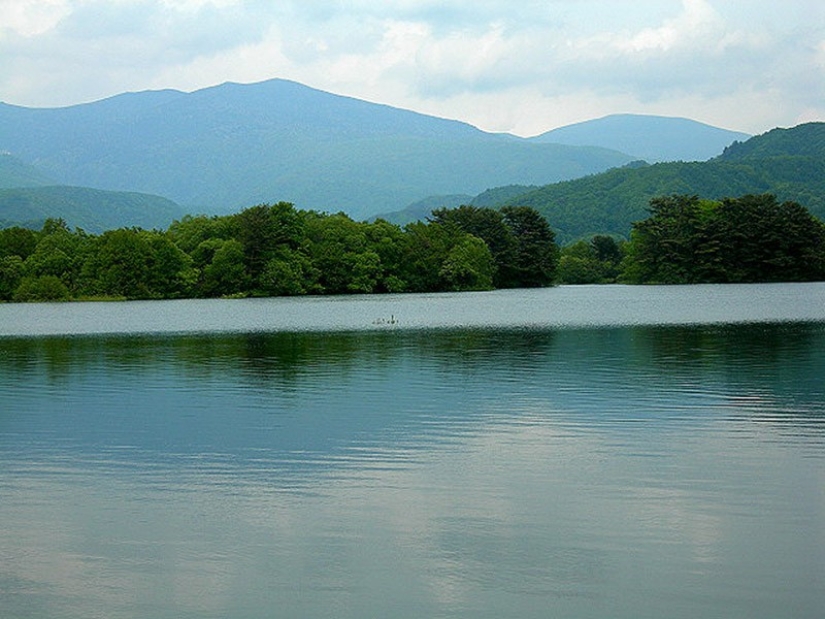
652	138
15	173
610	202
90	209
420	210
230	146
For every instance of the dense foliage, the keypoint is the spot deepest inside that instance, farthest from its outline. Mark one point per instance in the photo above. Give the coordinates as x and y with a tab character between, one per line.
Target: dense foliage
276	249
749	239
520	240
273	250
597	261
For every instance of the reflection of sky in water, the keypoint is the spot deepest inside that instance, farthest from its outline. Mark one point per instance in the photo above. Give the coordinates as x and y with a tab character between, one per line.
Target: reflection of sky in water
560	307
641	472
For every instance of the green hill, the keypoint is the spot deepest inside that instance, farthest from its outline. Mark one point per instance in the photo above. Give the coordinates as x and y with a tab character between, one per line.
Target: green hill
92	210
787	162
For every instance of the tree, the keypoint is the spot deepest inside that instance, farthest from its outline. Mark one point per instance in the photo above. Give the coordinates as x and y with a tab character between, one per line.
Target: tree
170	272
534	258
11	274
746	239
41	288
468	265
342	255
223	269
17	241
664	246
768	241
191	231
290	272
490	226
387	241
59	252
264	230
137	264
520	240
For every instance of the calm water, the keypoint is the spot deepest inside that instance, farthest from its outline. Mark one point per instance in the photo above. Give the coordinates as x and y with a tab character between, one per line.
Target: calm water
574	452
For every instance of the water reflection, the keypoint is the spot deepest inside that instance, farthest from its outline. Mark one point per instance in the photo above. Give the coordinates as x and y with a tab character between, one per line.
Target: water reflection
623	472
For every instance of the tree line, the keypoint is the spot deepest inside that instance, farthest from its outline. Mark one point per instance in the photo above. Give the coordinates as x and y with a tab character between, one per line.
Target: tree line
689	240
273	250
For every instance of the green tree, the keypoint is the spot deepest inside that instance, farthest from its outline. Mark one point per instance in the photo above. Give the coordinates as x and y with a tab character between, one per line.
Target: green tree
468	265
532	261
490	226
170	273
118	266
137	264
579	264
11	274
264	230
664	246
426	246
190	232
342	254
17	241
768	241
59	252
41	288
290	272
388	242
223	268
747	239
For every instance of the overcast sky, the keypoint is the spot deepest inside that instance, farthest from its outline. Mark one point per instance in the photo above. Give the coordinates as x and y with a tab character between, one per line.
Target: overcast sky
524	67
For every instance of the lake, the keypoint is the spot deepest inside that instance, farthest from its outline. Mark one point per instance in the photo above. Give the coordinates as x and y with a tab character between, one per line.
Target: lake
594	451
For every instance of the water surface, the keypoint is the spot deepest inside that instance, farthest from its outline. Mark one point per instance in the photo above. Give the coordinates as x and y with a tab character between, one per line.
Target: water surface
648	469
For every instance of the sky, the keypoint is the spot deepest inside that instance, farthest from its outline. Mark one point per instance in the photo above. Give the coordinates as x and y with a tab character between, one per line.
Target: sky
520	67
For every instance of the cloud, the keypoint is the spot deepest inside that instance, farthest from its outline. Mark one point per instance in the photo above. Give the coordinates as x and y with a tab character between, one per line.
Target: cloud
524	67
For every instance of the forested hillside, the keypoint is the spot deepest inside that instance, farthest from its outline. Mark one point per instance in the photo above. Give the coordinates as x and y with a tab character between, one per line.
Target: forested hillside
789	163
90	209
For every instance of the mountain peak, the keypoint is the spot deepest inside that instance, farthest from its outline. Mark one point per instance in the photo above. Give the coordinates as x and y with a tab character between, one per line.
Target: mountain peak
652	138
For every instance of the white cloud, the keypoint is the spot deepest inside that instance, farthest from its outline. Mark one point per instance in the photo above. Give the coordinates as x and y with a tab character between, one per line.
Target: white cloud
29	19
524	67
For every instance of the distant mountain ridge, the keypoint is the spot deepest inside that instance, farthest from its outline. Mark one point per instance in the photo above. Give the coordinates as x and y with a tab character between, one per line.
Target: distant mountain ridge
231	146
227	147
652	138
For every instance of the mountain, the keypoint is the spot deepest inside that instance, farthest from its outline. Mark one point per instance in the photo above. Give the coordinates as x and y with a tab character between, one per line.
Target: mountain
787	162
231	146
652	138
15	173
420	210
93	210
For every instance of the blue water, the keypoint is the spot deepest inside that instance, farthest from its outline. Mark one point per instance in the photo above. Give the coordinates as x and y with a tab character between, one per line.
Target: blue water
153	466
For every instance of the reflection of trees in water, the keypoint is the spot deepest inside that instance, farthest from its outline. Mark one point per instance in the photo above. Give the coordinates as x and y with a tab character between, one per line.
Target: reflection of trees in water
783	362
279	357
316	391
783	358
